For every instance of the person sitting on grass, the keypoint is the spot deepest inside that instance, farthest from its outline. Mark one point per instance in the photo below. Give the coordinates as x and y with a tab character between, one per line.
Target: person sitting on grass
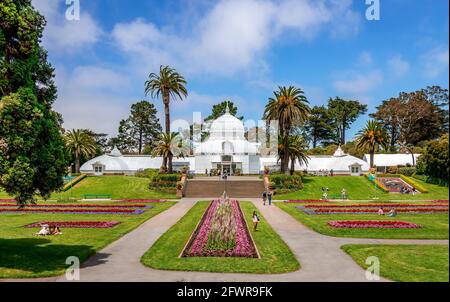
392	213
380	212
44	230
54	230
255	219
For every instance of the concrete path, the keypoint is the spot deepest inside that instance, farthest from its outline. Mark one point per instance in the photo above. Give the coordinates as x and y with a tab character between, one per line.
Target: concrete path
320	256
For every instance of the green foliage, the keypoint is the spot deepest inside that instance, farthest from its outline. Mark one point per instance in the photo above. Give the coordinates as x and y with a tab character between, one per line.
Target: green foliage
291	182
434	161
319	126
32	153
141	128
220	109
80	143
372	138
408	171
344	113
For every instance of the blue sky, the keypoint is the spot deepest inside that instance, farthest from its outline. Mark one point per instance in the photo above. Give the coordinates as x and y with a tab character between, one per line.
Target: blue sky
240	50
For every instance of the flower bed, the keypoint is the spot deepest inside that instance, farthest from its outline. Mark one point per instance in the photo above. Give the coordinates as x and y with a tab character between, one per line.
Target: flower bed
373	224
72	211
78	205
141	200
378	205
440	201
216	223
335	210
306	201
76	224
8	200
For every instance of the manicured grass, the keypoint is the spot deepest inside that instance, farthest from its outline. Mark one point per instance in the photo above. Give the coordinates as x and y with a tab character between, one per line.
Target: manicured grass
23	255
120	187
359	188
276	257
434	226
407	263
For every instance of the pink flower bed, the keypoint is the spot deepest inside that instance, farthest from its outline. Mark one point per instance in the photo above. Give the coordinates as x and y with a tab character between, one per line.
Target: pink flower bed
244	247
76	224
306	201
7	200
369	211
141	200
363	224
71	211
440	201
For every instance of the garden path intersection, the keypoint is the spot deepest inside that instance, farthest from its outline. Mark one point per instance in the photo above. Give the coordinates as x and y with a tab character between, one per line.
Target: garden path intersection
320	256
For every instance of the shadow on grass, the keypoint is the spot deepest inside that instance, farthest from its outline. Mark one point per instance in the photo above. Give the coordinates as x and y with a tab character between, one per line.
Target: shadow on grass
38	256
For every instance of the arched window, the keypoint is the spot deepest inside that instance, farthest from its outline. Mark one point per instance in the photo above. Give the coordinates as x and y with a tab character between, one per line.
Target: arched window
227	148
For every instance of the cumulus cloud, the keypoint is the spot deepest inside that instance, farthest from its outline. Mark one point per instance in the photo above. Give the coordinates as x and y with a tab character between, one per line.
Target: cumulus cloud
231	36
398	66
65	36
355	83
436	61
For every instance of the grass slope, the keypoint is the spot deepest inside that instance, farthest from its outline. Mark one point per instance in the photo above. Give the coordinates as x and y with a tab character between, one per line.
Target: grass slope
434	226
276	257
407	263
120	187
23	255
359	188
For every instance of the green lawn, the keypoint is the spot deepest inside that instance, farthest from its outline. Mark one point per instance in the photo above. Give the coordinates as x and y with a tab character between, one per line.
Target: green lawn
434	226
120	187
359	188
23	255
407	263
276	257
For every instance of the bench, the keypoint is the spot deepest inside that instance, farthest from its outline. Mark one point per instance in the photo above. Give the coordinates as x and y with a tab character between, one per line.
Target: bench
97	196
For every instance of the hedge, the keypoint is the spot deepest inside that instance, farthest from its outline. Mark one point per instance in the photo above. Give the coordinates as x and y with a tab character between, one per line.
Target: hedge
281	181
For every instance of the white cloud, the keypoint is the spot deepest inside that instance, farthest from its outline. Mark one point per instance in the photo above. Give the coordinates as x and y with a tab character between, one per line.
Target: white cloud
357	83
365	58
436	61
398	66
64	36
231	37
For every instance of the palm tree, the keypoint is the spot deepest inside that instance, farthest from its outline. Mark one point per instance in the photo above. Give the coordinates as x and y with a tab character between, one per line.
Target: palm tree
297	151
289	107
168	83
371	138
168	146
80	143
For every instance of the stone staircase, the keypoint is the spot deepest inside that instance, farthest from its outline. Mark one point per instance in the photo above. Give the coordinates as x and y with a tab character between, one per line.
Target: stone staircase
250	188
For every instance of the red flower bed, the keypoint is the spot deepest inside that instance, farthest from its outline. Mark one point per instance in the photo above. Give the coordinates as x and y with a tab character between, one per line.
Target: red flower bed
363	224
78	205
71	211
440	201
76	224
141	200
362	210
306	201
378	205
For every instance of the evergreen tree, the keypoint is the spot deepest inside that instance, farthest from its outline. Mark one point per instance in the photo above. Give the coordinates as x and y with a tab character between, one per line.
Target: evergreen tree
33	159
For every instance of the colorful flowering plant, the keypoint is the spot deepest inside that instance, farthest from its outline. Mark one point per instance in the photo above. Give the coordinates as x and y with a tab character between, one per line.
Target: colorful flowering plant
141	200
306	201
76	224
79	205
213	228
377	205
71	211
325	210
440	201
363	224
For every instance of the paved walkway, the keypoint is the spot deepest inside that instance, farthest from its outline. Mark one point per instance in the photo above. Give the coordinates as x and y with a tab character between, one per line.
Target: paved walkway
320	256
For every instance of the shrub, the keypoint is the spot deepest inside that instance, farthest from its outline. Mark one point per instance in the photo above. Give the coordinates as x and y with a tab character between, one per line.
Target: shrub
408	171
392	170
281	181
180	185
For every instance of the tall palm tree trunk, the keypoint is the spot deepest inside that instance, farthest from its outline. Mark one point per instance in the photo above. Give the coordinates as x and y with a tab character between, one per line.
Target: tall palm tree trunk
372	152
285	158
77	163
166	100
292	165
169	163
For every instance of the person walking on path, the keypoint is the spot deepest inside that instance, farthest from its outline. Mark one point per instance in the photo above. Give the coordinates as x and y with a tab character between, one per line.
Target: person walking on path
255	219
264	197
269	197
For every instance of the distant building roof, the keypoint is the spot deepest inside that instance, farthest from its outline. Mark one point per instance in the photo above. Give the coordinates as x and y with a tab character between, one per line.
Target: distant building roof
390	160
